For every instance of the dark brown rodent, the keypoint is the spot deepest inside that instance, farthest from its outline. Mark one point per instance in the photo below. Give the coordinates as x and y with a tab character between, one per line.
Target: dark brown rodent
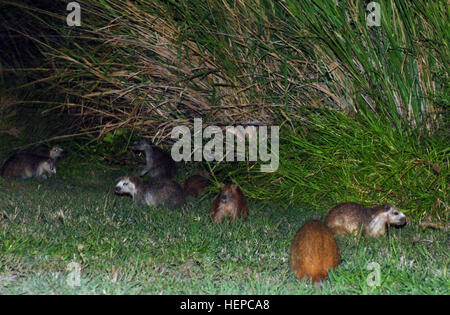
230	202
195	185
314	251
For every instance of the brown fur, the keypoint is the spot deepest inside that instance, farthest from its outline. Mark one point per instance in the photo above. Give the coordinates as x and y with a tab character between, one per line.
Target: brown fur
28	165
230	202
163	191
195	185
314	251
159	163
351	218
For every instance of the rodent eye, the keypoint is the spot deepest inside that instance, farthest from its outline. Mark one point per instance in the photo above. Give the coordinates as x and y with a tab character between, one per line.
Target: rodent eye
395	212
125	184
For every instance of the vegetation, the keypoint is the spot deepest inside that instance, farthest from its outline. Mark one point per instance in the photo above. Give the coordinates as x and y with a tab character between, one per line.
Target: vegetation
364	106
123	249
363	116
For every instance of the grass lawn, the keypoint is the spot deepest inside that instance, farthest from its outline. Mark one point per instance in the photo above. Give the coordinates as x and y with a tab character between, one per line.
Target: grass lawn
123	249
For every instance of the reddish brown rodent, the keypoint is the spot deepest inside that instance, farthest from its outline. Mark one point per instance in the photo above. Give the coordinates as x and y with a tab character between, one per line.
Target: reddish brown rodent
314	251
195	185
230	202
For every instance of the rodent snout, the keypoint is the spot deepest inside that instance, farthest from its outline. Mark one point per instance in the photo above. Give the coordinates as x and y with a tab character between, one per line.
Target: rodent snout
223	198
136	146
117	190
402	221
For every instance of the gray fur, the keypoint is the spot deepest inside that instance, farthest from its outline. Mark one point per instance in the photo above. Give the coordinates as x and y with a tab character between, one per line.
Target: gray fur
159	163
351	217
28	165
157	192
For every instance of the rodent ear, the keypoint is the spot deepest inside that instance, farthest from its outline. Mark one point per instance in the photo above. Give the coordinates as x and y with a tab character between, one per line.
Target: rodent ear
135	179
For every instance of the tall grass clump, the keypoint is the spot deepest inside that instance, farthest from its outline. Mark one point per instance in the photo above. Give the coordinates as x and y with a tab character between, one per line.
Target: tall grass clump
332	158
393	69
362	110
385	141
